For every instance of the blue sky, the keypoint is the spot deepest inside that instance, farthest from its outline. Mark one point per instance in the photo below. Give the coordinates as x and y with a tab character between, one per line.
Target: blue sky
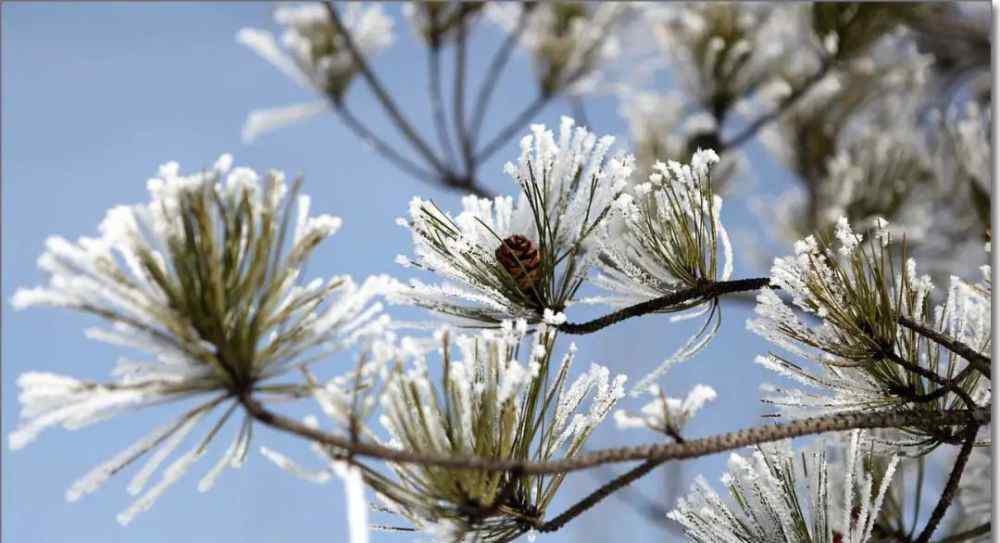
96	95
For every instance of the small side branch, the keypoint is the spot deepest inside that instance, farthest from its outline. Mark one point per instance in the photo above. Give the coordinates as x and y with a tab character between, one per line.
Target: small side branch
368	137
973	533
598	495
703	293
751	129
948	494
496	68
380	93
981	362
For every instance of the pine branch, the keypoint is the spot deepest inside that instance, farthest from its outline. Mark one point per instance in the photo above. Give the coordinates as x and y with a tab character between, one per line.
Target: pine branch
982	529
789	101
703	293
948	494
497	65
437	104
657	452
981	362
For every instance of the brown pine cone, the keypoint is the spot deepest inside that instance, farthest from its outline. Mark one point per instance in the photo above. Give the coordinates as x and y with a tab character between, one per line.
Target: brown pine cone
521	260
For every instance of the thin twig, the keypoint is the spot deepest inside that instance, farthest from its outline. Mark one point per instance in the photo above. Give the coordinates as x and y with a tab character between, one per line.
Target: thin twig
598	495
662	452
982	529
606	490
751	129
380	93
948	494
977	359
437	104
705	292
458	95
930	376
497	65
508	132
381	147
540	101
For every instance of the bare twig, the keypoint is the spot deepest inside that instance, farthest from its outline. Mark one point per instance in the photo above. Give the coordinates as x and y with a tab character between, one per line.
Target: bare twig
461	131
497	65
539	102
754	126
948	494
658	452
982	529
705	292
598	495
508	132
367	136
604	491
380	93
437	104
981	362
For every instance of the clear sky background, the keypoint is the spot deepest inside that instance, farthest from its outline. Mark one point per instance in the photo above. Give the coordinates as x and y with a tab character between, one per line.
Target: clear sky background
96	95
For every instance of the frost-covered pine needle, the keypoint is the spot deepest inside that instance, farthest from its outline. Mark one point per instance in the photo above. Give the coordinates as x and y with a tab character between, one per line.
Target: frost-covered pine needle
846	303
490	402
823	494
203	279
512	260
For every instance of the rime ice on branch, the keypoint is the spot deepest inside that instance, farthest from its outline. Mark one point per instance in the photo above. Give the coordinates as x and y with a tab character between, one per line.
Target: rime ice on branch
570	187
201	280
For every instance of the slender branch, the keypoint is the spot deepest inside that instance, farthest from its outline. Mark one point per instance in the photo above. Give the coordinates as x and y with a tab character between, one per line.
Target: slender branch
981	362
982	529
751	129
437	104
367	136
706	292
598	495
948	494
605	490
497	65
380	93
508	132
930	376
662	452
944	389
458	95
540	101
